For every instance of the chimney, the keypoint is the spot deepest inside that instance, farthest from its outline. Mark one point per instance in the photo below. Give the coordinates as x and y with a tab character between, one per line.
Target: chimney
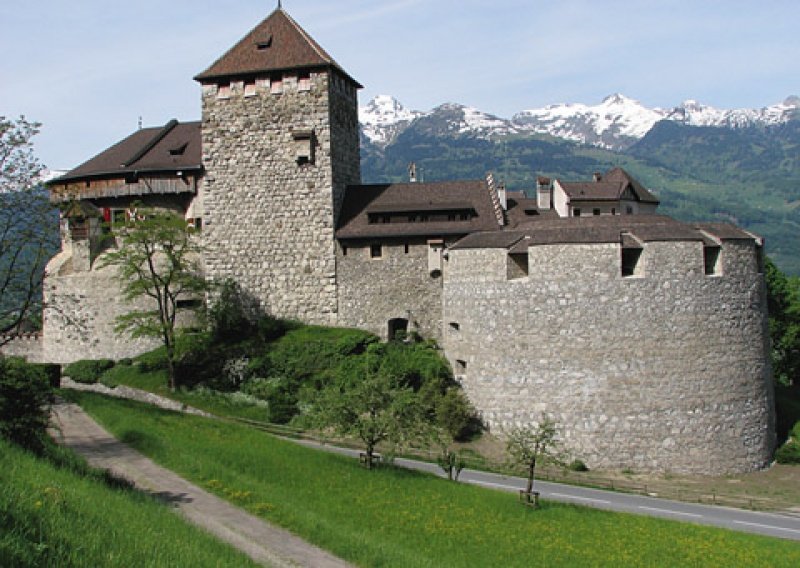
412	172
597	176
544	193
501	194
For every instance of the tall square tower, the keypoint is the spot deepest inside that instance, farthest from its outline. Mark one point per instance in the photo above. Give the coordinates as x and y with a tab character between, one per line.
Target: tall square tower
280	144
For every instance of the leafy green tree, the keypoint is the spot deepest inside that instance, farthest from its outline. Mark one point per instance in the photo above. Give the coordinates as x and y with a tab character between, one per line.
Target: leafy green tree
158	259
25	398
374	408
534	445
783	303
25	214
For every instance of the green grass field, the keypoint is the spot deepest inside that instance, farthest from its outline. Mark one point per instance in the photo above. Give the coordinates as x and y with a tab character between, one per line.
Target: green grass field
53	516
393	517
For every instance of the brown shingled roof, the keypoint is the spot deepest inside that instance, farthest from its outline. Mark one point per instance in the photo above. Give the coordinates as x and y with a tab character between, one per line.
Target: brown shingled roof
402	199
625	229
610	188
169	148
276	44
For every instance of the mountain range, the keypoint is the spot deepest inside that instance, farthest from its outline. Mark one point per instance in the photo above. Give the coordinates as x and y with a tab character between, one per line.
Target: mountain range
616	123
741	165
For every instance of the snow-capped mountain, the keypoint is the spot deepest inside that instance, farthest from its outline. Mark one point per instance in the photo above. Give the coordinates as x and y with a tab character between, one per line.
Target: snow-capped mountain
696	114
384	118
616	123
618	120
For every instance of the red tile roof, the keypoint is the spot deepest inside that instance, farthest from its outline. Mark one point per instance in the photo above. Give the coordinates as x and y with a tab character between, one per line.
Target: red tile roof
276	44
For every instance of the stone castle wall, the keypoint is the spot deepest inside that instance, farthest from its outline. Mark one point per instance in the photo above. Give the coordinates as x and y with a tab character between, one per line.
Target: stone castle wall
269	220
373	291
664	372
80	315
27	345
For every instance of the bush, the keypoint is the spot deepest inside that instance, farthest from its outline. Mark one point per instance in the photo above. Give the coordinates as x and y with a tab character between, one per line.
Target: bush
457	416
789	453
577	465
88	371
228	315
278	394
25	398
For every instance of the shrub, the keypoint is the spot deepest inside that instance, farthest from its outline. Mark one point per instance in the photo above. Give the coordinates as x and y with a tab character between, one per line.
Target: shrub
228	315
25	398
789	453
577	465
88	371
279	395
457	416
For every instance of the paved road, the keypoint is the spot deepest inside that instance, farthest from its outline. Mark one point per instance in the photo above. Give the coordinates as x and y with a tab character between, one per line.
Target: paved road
771	524
263	542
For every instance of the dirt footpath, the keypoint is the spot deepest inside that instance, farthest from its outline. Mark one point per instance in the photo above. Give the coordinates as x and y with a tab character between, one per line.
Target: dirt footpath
263	542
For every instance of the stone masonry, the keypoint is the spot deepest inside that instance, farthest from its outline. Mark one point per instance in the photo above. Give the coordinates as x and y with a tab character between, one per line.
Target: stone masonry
685	388
269	220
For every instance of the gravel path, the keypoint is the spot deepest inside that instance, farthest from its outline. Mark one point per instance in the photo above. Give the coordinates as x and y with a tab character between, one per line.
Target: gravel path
263	542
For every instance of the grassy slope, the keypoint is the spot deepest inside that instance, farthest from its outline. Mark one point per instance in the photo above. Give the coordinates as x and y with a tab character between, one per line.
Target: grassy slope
399	518
54	517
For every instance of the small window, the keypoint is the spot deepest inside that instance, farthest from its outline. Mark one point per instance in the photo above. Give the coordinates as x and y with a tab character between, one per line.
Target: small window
372	219
250	89
412	218
276	85
224	92
344	250
576	212
194	303
405	248
464	217
531	212
613	210
304	82
630	262
454	326
629	210
711	261
451	217
375	251
304	146
386	219
595	212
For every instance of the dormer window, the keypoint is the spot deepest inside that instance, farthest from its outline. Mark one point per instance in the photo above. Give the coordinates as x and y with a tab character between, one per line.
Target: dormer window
264	43
303	146
178	150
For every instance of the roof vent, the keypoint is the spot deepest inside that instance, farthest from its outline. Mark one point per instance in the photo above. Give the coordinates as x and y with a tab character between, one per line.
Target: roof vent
264	43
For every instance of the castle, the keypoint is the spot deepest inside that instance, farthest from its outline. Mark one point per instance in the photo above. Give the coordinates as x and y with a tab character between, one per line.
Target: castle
645	338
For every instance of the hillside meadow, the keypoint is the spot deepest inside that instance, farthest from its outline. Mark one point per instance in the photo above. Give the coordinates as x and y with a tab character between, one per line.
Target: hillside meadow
394	517
67	515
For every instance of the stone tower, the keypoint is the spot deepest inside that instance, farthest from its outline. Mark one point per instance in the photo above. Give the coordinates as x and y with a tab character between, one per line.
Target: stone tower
280	144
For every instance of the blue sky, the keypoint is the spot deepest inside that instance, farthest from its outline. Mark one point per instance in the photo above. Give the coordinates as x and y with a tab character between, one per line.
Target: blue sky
88	69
